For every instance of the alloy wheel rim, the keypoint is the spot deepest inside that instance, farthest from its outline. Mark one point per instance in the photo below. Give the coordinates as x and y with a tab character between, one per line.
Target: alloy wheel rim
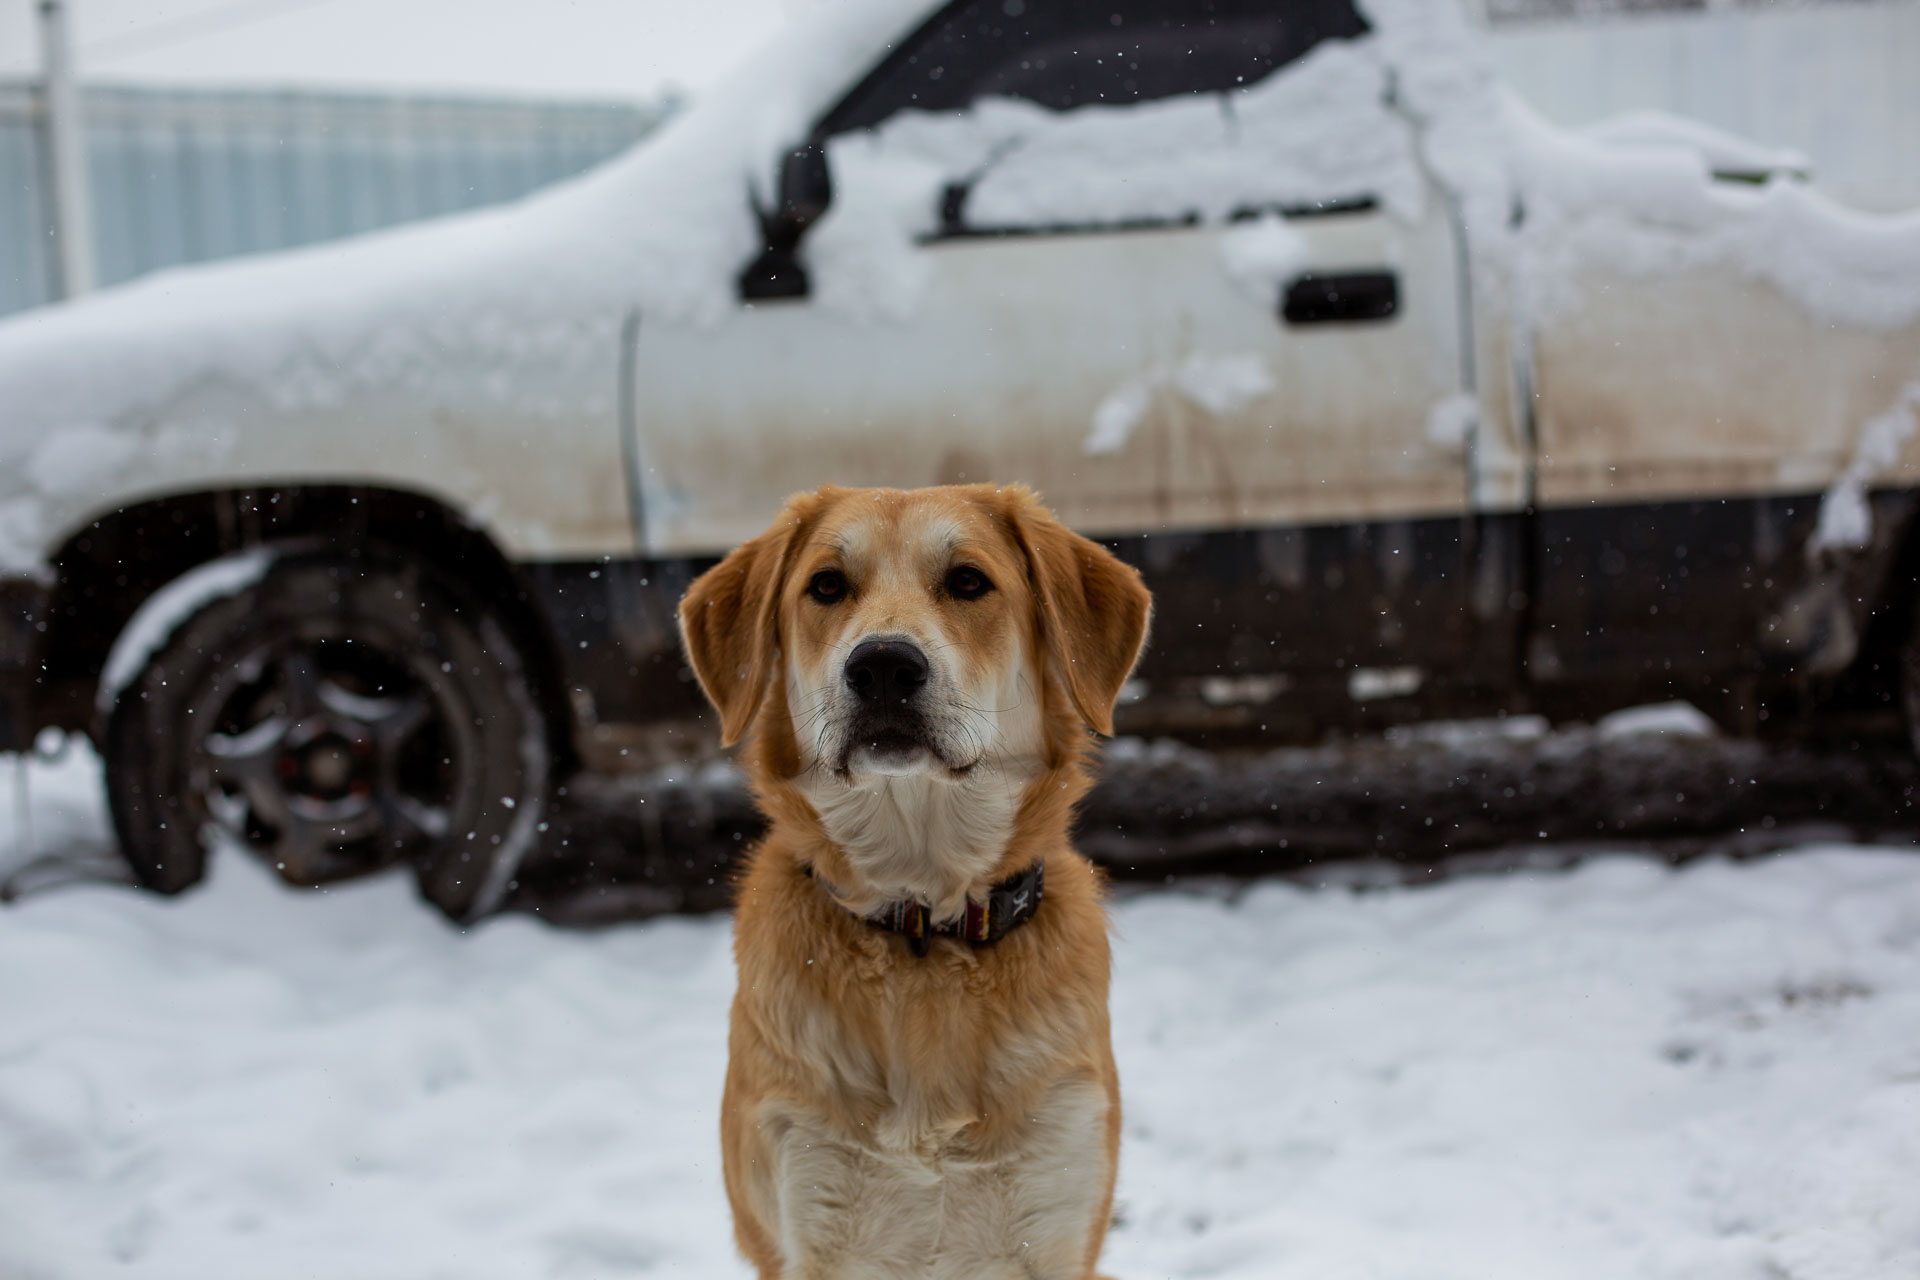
329	753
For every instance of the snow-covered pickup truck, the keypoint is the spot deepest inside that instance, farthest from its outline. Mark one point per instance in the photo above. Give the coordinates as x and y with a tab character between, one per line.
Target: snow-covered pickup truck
1405	402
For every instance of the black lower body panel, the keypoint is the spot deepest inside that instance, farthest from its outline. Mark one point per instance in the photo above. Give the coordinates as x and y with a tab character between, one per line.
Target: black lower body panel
1255	630
1289	632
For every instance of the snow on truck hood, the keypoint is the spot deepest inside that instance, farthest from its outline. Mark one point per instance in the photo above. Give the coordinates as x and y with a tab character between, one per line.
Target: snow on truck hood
520	306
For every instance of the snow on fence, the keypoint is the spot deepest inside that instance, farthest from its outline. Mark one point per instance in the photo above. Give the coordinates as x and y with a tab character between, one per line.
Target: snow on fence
1836	82
187	175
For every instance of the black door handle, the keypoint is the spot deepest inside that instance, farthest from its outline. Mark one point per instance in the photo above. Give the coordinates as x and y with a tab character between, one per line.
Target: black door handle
1343	298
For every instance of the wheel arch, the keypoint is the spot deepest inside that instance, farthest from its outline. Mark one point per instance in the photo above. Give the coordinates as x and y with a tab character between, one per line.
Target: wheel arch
107	568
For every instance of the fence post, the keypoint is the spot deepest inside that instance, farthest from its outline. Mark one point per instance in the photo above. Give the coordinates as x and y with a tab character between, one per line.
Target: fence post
66	146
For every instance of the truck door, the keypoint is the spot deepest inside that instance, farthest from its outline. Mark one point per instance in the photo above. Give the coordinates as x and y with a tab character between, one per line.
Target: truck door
1174	264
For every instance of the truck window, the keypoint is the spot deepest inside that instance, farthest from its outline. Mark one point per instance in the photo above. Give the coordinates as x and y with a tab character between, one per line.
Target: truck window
1062	54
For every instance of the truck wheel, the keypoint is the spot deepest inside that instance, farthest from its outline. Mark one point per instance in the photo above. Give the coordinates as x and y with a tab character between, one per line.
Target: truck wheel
332	715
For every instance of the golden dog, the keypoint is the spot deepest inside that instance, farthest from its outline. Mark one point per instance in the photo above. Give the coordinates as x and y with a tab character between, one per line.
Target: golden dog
920	1078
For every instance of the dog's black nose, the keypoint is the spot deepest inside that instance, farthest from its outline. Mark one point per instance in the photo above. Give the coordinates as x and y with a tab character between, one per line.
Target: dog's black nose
885	673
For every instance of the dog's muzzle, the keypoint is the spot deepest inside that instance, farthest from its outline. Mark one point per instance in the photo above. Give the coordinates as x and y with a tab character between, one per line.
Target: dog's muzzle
886	678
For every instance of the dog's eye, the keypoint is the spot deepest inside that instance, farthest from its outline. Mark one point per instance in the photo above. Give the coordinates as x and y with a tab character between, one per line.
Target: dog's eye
829	586
967	583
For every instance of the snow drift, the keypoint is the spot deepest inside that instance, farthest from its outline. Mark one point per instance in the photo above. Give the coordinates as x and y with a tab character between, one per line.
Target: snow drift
1615	1071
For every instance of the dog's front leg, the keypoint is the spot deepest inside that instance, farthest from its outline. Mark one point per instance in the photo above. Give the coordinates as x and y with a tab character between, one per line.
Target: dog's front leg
841	1210
1038	1210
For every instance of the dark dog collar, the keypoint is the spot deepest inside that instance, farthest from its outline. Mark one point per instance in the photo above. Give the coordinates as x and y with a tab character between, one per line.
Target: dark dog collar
1009	904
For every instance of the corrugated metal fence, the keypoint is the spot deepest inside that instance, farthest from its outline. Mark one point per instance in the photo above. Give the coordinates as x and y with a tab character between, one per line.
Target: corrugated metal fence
184	176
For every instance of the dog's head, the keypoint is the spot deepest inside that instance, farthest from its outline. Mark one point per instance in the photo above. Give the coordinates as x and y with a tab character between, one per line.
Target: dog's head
887	632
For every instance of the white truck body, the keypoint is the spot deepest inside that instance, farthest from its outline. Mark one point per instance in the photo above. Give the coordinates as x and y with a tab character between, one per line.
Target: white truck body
1096	298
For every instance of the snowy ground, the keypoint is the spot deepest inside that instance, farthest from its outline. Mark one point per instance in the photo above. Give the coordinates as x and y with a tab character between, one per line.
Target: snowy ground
1617	1071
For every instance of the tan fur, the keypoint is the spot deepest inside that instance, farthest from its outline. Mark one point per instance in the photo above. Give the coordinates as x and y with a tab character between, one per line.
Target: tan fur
887	1115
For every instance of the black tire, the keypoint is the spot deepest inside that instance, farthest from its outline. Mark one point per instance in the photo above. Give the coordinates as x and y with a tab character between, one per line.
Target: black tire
333	714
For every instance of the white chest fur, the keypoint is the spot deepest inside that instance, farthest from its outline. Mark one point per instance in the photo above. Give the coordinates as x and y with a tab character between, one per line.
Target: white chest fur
919	837
911	1200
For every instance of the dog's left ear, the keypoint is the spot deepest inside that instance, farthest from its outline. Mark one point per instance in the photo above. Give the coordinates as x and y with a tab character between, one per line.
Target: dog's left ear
1093	608
729	622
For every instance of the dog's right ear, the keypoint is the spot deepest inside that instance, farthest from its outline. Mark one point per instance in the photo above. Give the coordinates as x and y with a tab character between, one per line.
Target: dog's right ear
729	621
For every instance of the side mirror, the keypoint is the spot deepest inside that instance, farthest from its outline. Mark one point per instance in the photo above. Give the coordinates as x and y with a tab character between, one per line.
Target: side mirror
806	186
806	189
